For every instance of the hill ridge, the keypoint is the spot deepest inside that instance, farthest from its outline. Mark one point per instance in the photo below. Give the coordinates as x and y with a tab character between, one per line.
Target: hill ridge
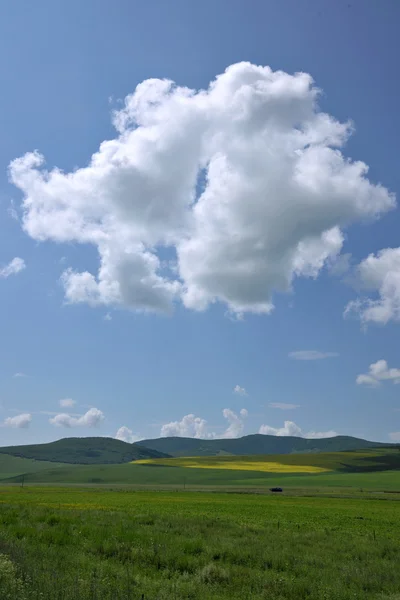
256	444
107	450
83	450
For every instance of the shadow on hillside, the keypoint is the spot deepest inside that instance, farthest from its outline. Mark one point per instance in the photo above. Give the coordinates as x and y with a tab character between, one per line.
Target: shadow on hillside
385	462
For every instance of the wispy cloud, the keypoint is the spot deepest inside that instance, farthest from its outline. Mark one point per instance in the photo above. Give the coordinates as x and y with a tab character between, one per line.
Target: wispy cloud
283	405
19	375
14	266
311	355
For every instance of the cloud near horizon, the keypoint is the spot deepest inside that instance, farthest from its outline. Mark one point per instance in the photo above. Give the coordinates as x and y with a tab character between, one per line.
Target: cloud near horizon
92	418
21	421
276	194
196	427
126	435
291	429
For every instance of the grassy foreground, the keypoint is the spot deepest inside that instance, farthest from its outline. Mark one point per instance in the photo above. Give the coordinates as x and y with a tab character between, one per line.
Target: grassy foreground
91	544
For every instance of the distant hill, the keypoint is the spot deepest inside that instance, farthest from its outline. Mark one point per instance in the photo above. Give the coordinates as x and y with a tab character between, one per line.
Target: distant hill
101	450
374	468
84	451
255	444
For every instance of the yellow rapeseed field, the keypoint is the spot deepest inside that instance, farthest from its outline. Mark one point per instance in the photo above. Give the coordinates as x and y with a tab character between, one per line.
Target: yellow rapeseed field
232	463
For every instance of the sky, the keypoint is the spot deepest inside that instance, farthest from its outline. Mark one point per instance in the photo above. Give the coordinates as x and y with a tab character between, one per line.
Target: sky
198	219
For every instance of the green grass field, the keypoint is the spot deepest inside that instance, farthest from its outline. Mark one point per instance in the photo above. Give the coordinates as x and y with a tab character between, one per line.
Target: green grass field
351	461
93	544
13	466
377	470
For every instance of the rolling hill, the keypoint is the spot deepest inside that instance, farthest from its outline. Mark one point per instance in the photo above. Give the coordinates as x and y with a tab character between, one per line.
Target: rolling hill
377	469
101	450
255	444
84	451
13	466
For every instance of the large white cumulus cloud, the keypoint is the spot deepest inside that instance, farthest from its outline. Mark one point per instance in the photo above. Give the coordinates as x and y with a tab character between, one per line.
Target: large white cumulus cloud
243	182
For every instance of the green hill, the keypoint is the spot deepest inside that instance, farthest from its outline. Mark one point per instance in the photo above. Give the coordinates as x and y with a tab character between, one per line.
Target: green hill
377	469
88	451
255	444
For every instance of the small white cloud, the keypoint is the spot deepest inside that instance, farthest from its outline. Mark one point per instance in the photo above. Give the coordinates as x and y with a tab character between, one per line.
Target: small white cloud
379	273
315	435
188	426
15	266
283	405
19	375
311	355
107	317
377	373
19	421
67	403
291	429
126	435
92	418
236	424
241	391
395	436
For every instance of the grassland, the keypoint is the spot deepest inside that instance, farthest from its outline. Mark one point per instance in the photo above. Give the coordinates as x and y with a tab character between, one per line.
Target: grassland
13	466
353	461
377	469
242	463
92	544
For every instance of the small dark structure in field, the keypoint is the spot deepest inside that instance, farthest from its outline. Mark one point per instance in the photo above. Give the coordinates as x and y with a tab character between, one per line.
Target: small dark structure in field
276	489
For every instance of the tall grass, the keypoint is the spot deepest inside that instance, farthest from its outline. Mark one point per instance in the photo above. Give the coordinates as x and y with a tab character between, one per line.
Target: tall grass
103	545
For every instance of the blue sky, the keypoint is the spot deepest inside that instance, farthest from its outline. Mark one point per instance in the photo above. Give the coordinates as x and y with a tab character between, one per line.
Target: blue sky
180	313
